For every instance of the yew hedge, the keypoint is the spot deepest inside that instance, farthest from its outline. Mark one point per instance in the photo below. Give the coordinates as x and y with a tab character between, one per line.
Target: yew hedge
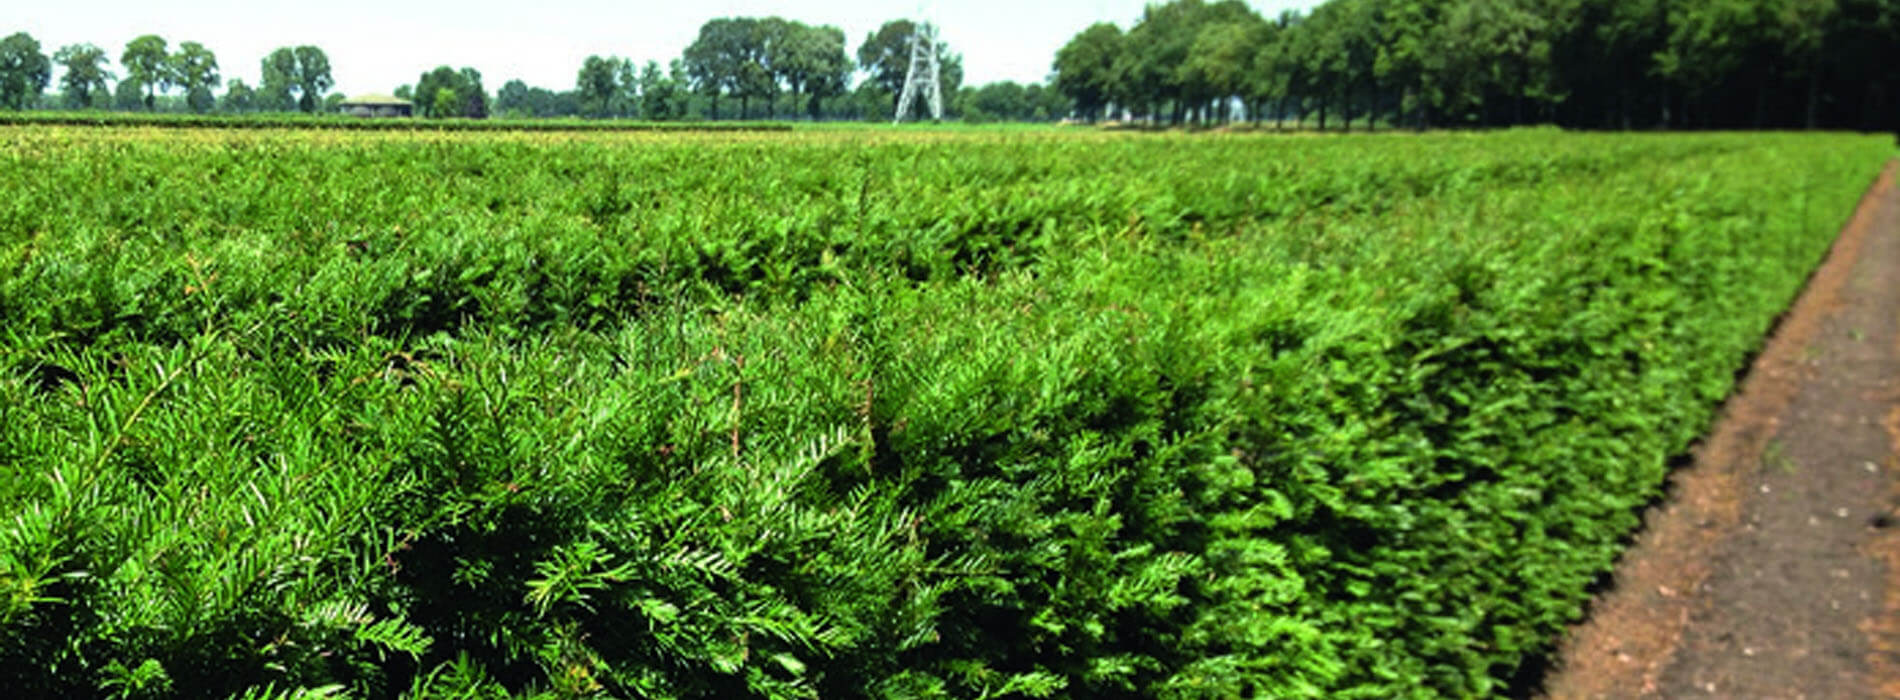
860	413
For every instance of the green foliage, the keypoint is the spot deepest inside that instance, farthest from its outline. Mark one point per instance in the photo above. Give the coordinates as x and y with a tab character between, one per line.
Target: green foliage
24	71
487	415
83	75
445	92
147	62
335	123
295	78
1086	68
1429	63
195	68
605	87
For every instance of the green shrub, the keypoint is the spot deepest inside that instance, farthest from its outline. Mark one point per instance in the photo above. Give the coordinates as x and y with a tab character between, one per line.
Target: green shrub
1092	415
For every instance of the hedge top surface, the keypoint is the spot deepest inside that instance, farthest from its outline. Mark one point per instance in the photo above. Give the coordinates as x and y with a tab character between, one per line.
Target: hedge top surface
856	412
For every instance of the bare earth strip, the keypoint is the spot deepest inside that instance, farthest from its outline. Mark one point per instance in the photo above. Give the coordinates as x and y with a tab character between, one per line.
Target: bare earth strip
1773	570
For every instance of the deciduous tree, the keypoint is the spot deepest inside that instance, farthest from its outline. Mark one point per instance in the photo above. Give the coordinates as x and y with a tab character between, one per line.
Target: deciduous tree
24	71
313	76
279	87
238	97
465	85
84	75
660	96
128	95
1087	69
147	60
729	59
196	70
295	77
600	85
810	61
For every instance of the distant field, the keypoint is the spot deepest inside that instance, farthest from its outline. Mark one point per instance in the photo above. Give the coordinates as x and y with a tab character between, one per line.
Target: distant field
854	411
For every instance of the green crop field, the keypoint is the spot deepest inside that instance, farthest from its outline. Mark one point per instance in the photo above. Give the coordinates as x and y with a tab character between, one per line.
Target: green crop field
859	412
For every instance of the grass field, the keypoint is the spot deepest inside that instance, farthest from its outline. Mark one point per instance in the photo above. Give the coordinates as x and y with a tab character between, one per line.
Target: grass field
851	412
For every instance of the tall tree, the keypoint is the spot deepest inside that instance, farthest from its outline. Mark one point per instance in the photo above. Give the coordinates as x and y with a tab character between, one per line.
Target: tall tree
1803	26
599	85
728	58
660	96
313	76
626	95
810	61
707	63
514	99
1273	71
24	71
196	69
128	96
295	77
146	60
1398	61
474	97
238	98
84	75
1088	68
278	92
1358	40
429	87
1217	64
464	89
1612	60
1317	45
827	67
1160	62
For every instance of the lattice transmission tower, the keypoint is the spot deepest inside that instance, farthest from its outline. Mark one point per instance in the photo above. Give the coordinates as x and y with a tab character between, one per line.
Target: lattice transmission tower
922	76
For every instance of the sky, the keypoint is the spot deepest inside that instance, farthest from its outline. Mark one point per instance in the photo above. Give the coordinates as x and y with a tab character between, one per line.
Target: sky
376	46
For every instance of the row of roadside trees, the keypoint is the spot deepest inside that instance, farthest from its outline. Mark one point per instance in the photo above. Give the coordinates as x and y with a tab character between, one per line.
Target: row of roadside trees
294	78
1585	63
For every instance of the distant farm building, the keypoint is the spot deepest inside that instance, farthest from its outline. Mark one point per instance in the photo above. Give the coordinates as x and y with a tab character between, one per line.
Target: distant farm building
377	106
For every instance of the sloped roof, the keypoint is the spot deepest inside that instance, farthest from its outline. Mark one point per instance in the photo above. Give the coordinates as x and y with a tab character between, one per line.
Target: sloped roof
377	100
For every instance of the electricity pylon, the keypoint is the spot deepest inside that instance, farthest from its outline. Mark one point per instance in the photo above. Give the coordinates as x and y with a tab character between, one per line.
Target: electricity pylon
922	76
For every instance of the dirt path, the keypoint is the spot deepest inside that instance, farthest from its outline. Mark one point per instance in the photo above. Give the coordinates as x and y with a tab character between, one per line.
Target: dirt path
1773	570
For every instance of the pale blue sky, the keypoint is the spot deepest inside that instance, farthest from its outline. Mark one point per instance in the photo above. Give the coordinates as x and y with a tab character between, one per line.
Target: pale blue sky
375	46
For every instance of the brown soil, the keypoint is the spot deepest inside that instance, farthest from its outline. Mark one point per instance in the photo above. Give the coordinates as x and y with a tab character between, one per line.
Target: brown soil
1773	570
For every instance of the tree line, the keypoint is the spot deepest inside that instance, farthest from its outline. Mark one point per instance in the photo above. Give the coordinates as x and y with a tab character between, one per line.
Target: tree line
1436	63
295	78
736	67
1418	63
748	68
